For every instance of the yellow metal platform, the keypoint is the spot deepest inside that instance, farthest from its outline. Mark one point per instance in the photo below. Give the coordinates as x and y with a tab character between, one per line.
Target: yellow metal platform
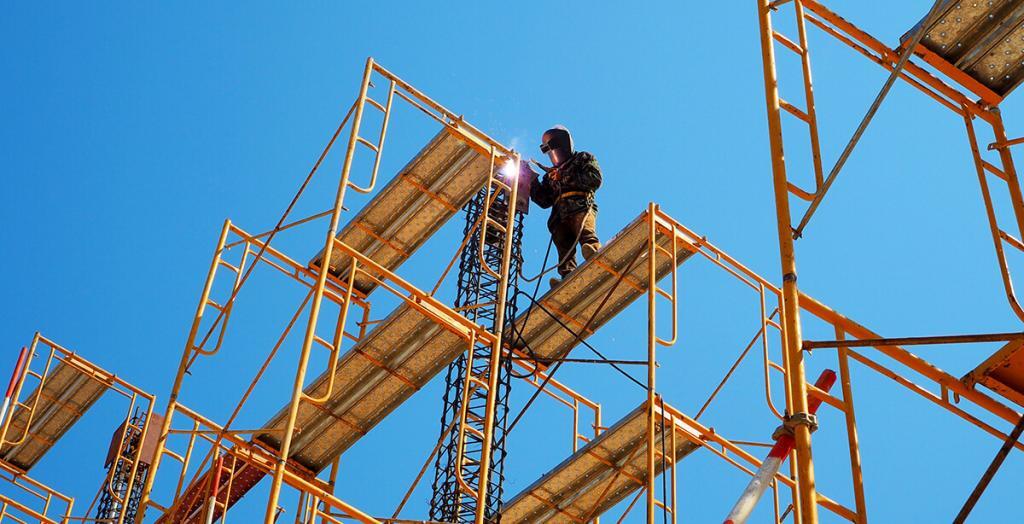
984	40
64	395
542	328
1003	372
380	372
599	475
427	192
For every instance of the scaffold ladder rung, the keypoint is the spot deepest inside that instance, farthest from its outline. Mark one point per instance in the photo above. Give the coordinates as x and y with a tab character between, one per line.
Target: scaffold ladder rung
376	104
787	43
408	210
64	393
373	147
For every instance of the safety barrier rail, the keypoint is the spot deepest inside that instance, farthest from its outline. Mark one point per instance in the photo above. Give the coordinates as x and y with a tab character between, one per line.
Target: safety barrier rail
34	500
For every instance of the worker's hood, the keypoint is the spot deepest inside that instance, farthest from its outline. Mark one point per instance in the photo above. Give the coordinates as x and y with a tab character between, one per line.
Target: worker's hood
557	143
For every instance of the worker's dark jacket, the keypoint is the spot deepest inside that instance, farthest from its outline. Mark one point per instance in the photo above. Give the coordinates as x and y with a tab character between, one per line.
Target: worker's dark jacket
580	174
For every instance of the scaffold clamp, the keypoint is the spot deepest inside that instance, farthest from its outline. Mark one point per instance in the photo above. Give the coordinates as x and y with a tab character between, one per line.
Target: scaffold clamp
790	422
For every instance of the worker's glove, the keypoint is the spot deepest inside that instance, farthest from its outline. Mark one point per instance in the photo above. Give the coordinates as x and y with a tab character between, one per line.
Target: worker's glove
527	173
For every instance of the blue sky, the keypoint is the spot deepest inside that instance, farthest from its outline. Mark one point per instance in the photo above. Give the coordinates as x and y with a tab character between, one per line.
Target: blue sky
131	131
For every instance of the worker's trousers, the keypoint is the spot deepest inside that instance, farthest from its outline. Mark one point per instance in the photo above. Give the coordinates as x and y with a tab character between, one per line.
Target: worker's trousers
581	226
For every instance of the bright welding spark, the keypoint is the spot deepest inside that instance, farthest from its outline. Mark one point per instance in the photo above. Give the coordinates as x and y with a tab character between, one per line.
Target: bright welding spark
510	169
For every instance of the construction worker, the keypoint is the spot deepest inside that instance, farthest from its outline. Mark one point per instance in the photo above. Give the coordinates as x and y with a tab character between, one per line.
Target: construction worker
568	188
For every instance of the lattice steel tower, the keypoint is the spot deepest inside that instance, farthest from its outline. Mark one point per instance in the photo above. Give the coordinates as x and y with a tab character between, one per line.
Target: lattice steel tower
119	495
477	299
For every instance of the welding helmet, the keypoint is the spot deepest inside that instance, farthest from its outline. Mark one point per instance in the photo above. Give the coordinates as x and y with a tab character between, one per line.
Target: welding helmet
557	144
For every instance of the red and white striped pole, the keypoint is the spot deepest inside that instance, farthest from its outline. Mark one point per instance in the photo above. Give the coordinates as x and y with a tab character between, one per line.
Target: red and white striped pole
15	377
782	448
211	508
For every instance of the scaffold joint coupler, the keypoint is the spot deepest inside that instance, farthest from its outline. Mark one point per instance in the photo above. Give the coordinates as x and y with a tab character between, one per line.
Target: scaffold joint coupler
790	422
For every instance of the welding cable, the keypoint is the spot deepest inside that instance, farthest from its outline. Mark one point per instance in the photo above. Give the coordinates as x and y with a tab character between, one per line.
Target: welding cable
512	322
537	361
545	270
601	358
578	337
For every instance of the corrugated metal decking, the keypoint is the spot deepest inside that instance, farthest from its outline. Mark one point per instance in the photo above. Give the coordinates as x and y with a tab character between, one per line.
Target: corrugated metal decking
427	192
412	346
67	393
1003	372
584	486
982	38
539	329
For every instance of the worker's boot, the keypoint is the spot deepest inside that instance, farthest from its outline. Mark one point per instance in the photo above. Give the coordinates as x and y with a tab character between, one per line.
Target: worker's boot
554	281
589	250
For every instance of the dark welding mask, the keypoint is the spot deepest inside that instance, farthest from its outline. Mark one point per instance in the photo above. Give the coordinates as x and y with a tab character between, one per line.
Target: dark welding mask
557	144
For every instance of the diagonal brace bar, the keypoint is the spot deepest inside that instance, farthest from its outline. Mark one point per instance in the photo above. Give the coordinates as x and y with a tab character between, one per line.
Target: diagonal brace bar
990	473
911	341
904	58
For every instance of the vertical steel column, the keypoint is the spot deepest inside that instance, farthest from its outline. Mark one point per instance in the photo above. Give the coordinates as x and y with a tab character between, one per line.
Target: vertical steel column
652	349
812	111
851	430
1016	197
186	355
790	292
493	372
121	492
477	298
307	343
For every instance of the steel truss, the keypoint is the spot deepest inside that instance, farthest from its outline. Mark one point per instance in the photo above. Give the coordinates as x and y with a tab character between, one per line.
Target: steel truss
464	406
119	500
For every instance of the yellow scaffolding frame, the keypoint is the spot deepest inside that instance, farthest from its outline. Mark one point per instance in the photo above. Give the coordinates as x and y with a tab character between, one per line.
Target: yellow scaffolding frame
52	355
317	499
322	284
222	449
222	439
951	390
36	492
898	63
